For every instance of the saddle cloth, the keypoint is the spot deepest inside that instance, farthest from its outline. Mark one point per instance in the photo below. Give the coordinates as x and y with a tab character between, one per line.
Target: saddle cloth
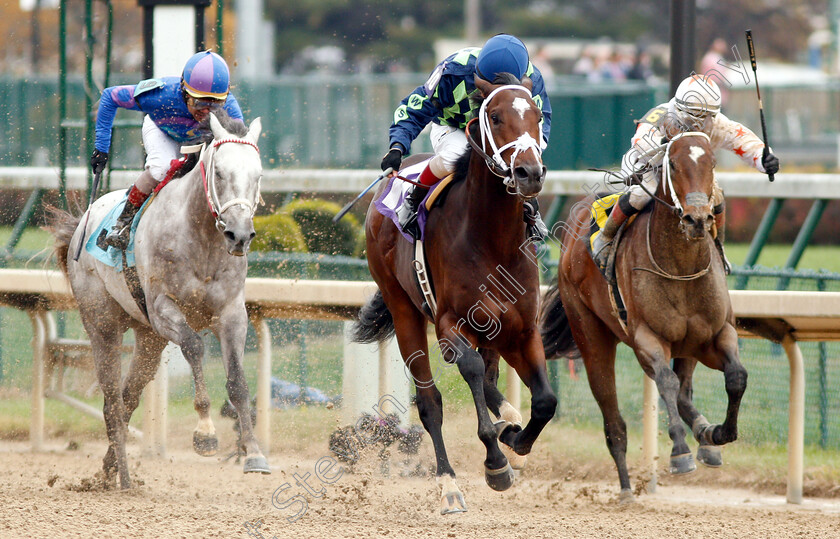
111	256
393	197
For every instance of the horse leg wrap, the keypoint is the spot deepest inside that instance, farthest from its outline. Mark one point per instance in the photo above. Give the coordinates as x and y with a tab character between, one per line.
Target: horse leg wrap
703	430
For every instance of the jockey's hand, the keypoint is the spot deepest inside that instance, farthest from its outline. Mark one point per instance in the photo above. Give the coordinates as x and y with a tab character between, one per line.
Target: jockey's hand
770	162
392	159
98	160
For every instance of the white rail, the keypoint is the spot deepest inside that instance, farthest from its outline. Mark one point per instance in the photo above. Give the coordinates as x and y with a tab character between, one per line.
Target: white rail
784	317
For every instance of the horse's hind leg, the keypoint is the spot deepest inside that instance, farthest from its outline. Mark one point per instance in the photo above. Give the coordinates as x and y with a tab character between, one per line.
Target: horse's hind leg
231	329
654	356
707	454
500	406
724	358
105	341
168	321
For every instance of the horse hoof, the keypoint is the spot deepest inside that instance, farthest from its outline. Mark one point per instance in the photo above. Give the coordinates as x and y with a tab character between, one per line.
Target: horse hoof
626	496
452	502
682	464
205	445
710	455
256	465
501	479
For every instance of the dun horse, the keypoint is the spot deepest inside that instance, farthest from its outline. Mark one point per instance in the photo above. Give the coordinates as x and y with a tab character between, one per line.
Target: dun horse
191	267
674	288
485	283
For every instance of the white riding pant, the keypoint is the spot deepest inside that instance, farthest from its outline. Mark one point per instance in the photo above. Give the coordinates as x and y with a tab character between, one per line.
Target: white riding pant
449	143
161	149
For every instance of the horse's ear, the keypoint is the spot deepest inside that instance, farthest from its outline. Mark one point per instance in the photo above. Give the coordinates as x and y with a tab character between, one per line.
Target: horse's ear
254	131
216	127
483	86
527	83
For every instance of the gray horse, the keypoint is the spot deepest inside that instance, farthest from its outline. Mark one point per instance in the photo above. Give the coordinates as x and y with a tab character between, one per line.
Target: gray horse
189	280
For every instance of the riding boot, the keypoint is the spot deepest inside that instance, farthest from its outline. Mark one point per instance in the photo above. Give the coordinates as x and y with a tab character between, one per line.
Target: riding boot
602	245
720	223
120	233
536	230
407	213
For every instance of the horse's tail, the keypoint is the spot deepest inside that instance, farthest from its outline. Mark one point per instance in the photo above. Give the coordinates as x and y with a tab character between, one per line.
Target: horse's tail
61	225
554	325
375	323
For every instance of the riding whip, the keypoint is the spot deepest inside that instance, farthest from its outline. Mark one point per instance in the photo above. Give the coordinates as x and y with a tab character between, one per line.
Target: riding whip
350	204
94	188
750	45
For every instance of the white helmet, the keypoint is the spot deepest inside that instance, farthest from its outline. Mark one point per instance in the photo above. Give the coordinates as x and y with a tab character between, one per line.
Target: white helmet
698	96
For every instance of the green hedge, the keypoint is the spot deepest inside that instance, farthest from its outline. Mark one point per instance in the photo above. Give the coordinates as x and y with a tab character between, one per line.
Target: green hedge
278	232
320	233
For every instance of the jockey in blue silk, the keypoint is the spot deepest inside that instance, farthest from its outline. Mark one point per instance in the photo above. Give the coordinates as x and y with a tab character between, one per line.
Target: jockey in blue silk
174	108
444	102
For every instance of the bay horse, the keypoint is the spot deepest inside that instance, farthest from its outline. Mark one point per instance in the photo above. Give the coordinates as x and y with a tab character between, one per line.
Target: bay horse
486	285
674	288
189	250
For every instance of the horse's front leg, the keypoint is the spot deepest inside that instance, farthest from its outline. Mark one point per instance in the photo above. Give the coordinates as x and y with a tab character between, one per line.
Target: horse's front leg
724	357
709	455
231	329
169	322
497	471
654	355
530	365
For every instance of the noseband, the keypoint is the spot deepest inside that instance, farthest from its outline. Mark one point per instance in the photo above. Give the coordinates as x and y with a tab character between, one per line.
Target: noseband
217	209
494	161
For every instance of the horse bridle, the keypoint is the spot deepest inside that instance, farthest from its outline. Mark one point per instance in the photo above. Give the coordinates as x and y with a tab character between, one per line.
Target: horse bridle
667	182
210	186
494	161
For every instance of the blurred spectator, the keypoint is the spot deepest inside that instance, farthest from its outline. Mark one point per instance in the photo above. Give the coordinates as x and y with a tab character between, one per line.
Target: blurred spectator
613	67
641	69
585	64
542	62
713	61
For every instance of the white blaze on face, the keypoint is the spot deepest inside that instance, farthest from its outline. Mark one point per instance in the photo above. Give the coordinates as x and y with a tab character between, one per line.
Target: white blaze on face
520	105
696	153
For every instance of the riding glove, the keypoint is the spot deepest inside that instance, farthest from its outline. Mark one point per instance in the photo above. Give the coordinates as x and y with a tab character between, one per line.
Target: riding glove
98	160
770	162
392	159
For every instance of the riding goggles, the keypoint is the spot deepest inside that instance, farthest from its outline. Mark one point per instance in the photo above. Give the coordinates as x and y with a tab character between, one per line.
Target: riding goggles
211	104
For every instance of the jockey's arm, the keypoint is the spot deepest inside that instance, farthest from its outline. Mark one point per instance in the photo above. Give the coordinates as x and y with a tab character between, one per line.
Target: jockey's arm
413	114
735	137
644	146
540	97
112	98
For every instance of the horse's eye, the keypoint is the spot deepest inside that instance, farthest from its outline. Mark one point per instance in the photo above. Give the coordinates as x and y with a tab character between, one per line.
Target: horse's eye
494	118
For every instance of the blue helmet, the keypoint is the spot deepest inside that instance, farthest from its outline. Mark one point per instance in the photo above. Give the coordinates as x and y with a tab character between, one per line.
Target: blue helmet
206	75
502	53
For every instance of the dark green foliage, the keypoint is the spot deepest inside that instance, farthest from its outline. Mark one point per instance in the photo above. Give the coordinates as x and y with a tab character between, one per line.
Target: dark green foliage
278	232
322	235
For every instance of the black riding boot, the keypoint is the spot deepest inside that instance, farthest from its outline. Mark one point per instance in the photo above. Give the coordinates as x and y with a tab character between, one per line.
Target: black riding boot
407	213
536	231
119	234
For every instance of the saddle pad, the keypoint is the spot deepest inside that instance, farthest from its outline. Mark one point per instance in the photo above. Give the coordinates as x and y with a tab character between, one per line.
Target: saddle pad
112	256
393	197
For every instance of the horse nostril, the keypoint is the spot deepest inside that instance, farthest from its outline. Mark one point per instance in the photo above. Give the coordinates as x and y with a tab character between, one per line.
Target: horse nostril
521	173
688	220
543	172
230	236
253	234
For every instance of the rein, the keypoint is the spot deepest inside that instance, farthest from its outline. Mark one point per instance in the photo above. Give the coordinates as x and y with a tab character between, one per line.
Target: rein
210	186
494	160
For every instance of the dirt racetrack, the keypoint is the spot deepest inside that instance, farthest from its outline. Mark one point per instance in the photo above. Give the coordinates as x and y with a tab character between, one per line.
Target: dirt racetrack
49	494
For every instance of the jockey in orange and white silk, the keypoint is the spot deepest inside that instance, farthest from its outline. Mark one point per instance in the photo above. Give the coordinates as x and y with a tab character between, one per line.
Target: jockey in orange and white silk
694	107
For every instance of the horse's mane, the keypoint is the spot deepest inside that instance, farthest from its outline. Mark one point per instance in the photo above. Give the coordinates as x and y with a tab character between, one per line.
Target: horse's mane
234	126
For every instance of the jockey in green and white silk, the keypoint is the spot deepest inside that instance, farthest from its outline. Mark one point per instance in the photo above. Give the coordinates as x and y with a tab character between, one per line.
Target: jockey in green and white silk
444	104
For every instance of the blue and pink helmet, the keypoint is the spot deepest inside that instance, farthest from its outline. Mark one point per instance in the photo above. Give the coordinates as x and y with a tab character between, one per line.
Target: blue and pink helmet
206	75
502	53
